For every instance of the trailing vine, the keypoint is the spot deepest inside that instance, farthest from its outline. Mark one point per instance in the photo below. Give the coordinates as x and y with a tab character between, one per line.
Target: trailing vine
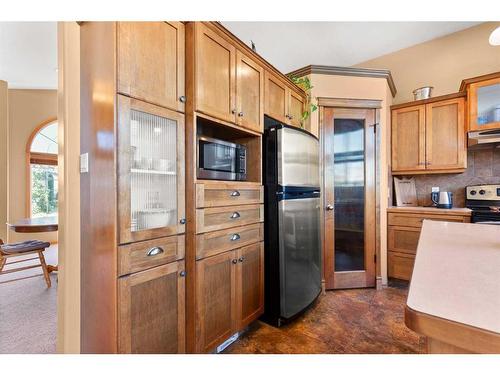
305	84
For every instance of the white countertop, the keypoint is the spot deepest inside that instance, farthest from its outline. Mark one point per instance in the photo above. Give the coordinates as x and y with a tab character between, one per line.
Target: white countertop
457	273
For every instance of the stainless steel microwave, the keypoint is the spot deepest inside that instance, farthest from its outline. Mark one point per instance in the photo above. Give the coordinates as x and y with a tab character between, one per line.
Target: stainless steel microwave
221	160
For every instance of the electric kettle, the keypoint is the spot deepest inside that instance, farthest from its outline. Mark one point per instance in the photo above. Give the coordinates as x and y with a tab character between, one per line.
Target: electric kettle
443	200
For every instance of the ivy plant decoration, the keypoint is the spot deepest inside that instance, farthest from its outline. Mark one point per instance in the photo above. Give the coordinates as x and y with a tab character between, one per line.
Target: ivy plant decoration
305	84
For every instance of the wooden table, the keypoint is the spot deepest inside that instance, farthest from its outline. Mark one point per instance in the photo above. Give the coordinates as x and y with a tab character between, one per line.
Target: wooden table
36	225
454	296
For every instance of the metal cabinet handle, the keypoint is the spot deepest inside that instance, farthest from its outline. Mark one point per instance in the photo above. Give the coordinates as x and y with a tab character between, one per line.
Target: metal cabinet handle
235	237
329	207
233	111
182	99
290	117
240	114
234	261
241	259
182	273
154	251
235	215
235	193
182	221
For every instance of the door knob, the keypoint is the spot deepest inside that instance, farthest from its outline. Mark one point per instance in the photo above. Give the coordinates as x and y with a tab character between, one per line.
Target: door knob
329	207
182	99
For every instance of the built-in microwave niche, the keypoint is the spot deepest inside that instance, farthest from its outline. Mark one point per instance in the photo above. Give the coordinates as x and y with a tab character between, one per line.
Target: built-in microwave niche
212	129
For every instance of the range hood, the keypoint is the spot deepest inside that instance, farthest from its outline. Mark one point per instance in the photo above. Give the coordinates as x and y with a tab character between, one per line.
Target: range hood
484	138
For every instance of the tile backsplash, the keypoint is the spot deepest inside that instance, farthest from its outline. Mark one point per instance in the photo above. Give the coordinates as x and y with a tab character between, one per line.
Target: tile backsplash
483	167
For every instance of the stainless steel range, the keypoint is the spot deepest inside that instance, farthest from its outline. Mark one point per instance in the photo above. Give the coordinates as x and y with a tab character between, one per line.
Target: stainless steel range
484	201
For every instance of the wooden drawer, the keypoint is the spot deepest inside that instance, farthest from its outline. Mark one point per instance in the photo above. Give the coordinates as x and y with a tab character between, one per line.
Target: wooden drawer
208	244
415	220
403	239
142	255
227	194
217	218
400	265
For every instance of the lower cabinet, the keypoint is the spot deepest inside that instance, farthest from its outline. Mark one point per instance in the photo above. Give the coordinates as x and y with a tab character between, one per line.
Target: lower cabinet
229	294
151	315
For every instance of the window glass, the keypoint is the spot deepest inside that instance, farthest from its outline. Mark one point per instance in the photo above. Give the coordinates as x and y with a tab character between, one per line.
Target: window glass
46	140
43	190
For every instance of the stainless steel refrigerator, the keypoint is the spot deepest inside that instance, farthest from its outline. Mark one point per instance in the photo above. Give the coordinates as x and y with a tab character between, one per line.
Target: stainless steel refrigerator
292	219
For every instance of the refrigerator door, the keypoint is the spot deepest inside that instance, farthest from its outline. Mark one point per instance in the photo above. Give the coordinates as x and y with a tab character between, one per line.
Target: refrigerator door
300	254
298	158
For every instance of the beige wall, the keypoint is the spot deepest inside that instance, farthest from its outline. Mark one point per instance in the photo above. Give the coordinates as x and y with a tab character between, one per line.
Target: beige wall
442	62
4	125
348	87
27	109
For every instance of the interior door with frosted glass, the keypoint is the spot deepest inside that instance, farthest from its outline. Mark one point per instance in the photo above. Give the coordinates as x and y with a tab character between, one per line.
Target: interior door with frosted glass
349	193
150	171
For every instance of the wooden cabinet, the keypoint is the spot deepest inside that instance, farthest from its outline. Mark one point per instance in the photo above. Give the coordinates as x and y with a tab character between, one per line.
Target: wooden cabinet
150	171
250	284
249	93
230	294
483	97
151	310
215	64
151	62
403	233
281	102
217	218
429	137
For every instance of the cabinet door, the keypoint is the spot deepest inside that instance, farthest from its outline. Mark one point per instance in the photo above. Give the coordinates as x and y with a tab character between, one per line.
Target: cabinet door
295	109
249	93
151	313
445	135
408	139
150	171
403	239
250	283
484	105
276	98
151	62
215	300
215	74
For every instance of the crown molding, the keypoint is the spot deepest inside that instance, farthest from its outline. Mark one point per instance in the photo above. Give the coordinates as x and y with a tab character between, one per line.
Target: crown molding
346	71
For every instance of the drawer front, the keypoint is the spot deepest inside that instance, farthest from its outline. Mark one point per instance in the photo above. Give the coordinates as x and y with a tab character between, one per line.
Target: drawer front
212	243
219	195
217	218
147	254
415	220
403	239
400	265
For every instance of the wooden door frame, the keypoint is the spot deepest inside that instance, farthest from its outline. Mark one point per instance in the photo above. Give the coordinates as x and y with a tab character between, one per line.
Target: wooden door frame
347	103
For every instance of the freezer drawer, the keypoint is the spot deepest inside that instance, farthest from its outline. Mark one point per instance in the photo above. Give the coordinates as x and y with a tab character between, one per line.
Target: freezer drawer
300	254
298	158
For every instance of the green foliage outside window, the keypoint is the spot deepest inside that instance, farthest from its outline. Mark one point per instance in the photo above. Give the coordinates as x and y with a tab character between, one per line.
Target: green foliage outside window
43	190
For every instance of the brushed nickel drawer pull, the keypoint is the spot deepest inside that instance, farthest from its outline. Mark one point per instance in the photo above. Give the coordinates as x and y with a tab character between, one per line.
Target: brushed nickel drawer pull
235	215
235	237
234	261
155	251
235	193
241	259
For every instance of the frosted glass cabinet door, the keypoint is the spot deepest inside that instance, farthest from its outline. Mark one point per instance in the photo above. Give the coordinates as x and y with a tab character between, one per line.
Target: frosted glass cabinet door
484	105
150	171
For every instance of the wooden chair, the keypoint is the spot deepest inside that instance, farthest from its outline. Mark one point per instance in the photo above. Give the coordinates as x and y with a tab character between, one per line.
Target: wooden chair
20	249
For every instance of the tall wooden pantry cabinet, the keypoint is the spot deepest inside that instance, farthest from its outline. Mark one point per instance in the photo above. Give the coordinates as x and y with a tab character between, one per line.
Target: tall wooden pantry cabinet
132	187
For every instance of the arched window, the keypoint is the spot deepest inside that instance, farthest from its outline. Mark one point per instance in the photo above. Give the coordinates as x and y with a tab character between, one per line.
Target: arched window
42	170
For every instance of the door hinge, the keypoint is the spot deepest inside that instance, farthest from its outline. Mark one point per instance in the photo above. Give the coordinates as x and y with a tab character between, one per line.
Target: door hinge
375	258
375	127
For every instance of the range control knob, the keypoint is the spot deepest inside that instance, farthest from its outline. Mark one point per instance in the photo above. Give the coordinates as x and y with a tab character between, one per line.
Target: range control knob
473	192
482	192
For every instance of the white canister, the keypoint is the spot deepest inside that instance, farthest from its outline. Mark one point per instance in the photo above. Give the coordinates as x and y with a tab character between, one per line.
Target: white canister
496	114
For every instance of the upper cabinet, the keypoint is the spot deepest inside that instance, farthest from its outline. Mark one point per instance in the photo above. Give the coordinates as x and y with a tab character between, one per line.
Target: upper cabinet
429	137
281	102
151	62
484	104
150	171
233	84
249	93
215	64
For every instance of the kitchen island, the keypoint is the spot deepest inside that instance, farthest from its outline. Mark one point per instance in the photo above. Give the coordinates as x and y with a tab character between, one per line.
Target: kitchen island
454	296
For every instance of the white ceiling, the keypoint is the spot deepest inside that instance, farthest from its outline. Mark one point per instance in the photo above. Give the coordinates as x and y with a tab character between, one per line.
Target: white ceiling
293	45
28	54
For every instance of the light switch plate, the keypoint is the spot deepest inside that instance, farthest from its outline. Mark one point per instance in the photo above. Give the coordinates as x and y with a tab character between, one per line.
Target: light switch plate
84	163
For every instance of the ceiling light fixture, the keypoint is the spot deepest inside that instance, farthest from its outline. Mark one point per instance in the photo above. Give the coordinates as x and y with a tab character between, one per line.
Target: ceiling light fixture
495	37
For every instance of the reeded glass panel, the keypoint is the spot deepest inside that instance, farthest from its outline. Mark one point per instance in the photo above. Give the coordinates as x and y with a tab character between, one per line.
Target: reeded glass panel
153	174
488	104
349	190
